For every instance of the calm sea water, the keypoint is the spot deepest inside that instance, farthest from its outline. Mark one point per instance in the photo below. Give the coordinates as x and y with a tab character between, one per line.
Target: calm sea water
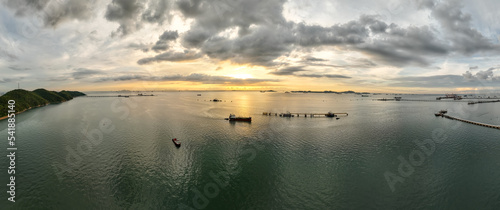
270	163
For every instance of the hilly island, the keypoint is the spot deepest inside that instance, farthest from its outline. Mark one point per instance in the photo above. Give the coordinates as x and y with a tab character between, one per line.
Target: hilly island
26	100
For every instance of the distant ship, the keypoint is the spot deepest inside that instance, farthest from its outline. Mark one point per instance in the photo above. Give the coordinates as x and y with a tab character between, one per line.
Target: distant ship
287	114
441	113
176	142
232	117
330	114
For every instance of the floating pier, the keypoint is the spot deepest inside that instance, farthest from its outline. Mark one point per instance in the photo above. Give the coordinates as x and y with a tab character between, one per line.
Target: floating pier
423	100
471	122
482	102
288	114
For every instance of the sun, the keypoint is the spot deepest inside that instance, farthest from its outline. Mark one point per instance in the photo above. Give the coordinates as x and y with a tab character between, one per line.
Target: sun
241	76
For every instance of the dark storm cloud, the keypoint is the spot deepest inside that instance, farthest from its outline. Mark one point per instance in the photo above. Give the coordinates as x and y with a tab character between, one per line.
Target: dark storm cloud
271	36
163	42
269	39
171	56
126	13
353	32
331	76
195	37
189	8
403	46
82	73
358	63
201	78
457	25
67	10
131	14
157	11
288	70
481	75
53	12
260	34
25	7
313	59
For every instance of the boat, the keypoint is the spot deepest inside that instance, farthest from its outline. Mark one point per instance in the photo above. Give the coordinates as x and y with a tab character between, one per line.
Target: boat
216	100
364	95
438	114
198	95
330	114
176	142
288	114
443	111
233	117
287	92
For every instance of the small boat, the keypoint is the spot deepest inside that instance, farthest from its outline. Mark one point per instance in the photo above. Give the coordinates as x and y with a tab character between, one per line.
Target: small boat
198	95
176	142
288	114
438	114
233	117
443	111
330	114
217	100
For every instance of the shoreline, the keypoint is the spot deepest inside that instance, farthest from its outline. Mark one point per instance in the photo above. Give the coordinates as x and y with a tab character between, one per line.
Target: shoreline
30	108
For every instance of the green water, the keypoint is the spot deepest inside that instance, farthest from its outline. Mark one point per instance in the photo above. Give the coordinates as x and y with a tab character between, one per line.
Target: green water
270	163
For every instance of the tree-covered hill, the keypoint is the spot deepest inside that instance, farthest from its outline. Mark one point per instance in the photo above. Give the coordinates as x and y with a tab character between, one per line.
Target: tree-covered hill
51	96
30	99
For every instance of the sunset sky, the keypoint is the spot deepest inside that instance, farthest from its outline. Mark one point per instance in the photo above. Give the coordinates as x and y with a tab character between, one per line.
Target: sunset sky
416	46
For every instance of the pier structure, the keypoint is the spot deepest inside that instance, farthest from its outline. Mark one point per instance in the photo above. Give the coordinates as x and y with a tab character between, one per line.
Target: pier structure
289	114
482	102
471	122
450	96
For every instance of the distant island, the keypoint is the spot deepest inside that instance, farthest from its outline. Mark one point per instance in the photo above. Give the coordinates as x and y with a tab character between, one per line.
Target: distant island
26	100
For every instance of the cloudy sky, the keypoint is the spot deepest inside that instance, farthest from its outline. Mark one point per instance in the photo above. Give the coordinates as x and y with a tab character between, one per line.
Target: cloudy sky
416	46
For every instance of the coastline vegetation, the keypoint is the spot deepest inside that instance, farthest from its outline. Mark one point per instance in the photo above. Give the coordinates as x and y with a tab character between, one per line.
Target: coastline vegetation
30	99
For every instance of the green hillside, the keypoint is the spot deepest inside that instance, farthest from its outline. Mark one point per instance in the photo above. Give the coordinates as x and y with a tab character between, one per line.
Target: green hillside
72	94
51	96
31	99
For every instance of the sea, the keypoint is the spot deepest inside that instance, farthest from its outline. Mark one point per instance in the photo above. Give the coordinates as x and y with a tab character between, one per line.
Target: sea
117	153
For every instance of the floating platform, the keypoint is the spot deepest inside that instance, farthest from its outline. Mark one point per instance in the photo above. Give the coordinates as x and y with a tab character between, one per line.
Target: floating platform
471	122
482	102
295	114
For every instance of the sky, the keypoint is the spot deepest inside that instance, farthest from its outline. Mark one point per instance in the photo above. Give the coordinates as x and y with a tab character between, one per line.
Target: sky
386	46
